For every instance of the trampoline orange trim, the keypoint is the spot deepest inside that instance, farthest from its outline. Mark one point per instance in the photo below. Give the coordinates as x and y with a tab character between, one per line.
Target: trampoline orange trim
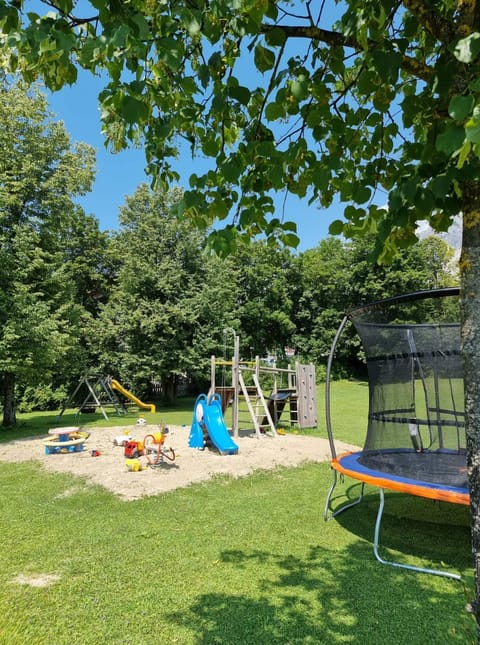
402	487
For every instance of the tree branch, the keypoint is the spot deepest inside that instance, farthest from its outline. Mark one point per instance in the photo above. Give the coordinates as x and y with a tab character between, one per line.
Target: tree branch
467	17
73	20
336	39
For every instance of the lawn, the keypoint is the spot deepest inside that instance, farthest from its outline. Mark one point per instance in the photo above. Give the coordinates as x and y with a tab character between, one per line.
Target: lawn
233	562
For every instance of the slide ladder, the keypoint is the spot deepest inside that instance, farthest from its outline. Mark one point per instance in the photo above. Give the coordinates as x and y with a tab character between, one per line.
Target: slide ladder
260	414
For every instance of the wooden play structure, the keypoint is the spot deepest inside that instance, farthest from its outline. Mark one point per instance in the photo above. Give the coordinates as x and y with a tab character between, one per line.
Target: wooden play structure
292	390
101	392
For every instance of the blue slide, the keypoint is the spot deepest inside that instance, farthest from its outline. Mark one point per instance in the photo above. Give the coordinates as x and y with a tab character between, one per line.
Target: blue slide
208	419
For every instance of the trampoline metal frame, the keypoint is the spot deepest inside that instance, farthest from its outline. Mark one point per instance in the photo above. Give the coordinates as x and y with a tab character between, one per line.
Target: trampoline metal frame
401	565
329	513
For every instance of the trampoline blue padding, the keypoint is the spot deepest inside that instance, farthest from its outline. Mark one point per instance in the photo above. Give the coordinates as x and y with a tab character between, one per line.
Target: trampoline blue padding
349	464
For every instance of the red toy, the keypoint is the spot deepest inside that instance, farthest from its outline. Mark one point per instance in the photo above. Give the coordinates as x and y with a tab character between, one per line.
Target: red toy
133	449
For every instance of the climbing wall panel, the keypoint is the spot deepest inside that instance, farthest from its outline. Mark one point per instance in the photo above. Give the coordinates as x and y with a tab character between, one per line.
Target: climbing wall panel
306	396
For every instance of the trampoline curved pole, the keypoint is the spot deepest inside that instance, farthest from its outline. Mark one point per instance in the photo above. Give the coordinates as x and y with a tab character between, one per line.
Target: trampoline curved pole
327	515
328	418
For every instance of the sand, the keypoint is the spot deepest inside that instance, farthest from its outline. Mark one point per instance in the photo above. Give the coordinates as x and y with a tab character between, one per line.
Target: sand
109	469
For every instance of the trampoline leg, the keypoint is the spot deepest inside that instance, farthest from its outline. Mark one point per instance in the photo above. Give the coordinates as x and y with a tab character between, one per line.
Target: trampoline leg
329	515
392	563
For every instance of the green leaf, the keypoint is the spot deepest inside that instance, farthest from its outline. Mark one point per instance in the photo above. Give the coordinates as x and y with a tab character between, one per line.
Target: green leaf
275	37
451	139
264	58
231	171
321	178
211	145
440	185
142	25
119	36
314	116
463	153
299	88
240	93
171	53
445	72
290	239
424	201
337	64
367	82
133	110
387	65
472	130
47	45
467	49
275	111
69	74
289	226
460	107
336	227
361	194
408	189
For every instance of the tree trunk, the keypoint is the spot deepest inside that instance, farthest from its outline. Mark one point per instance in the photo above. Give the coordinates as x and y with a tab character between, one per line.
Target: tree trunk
470	324
8	396
170	389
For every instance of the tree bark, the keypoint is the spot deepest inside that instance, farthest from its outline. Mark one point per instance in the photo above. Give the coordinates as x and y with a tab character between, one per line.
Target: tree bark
8	396
170	389
470	326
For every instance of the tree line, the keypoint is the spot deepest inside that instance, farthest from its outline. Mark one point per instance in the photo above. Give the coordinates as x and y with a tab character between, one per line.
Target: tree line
149	303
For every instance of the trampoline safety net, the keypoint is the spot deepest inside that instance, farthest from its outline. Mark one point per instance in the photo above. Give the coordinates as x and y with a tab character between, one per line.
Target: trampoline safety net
416	406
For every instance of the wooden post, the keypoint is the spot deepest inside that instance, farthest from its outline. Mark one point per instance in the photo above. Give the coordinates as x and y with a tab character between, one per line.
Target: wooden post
236	384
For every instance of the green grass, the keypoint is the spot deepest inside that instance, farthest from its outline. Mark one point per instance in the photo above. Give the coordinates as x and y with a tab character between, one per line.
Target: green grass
232	562
349	410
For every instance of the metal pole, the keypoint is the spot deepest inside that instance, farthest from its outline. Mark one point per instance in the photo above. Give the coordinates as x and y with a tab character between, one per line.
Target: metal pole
212	374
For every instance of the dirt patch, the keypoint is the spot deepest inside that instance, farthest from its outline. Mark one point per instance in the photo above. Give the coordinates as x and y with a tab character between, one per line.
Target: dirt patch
37	580
108	469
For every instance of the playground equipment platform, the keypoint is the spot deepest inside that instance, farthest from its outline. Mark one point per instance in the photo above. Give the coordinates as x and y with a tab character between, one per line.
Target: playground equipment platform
265	411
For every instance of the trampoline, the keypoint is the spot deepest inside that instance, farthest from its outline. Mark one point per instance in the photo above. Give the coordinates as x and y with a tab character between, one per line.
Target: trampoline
415	440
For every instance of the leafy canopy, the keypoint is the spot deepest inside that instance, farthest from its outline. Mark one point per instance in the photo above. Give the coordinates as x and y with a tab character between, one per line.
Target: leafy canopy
41	174
168	299
376	101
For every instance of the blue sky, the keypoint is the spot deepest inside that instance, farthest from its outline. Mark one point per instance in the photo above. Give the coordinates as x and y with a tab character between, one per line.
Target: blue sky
118	175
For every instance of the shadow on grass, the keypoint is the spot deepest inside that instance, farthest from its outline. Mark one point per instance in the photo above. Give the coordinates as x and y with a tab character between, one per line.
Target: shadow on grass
345	595
329	598
433	531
